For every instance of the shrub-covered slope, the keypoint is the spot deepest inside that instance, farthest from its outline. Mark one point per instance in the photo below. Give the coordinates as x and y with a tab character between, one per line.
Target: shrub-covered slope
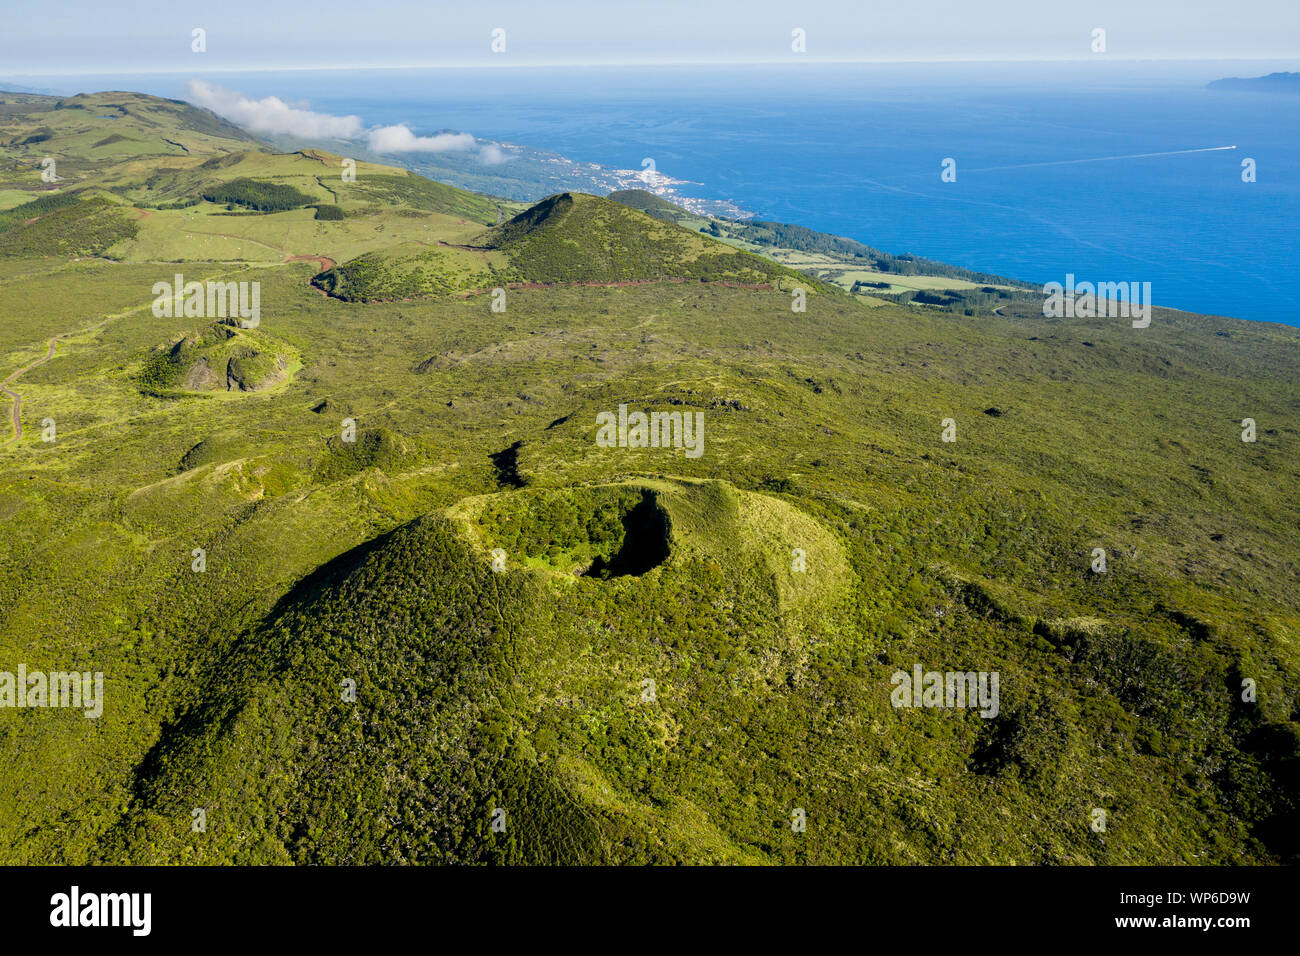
409	687
573	237
372	705
567	238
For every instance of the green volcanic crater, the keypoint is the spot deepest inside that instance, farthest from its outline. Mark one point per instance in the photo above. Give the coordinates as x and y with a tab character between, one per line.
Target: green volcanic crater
219	357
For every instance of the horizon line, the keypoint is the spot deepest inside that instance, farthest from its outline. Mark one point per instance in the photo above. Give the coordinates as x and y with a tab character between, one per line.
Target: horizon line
791	59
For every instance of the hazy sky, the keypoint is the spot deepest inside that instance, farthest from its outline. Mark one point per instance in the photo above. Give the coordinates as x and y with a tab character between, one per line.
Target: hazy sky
51	37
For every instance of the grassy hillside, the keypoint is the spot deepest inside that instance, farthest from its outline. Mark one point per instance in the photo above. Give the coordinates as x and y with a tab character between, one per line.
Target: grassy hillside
575	238
411	271
353	612
89	133
141	179
69	224
566	238
474	721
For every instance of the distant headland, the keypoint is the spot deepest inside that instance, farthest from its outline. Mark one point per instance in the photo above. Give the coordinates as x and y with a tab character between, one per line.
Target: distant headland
1273	83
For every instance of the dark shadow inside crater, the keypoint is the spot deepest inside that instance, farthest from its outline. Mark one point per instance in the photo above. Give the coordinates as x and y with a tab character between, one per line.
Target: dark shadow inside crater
645	542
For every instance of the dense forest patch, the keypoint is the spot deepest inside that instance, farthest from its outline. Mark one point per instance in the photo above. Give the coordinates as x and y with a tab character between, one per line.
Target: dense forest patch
256	194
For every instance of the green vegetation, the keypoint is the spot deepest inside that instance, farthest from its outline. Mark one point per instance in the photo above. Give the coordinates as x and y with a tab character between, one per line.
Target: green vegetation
37	208
566	238
803	239
414	594
401	188
370	448
847	263
576	238
264	197
63	225
638	656
220	357
577	531
407	272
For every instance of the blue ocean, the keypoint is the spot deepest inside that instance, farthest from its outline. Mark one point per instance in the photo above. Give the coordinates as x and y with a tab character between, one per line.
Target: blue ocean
1109	171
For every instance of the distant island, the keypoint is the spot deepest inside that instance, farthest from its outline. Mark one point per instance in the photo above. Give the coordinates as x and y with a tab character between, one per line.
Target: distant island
1273	83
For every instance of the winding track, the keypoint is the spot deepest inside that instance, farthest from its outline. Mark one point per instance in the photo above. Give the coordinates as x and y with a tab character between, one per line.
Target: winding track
18	399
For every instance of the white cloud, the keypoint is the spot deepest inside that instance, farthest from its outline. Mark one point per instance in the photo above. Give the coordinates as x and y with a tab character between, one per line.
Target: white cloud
493	155
272	114
400	139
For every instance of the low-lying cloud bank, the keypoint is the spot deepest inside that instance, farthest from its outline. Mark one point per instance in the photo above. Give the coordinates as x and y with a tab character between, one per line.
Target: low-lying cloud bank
400	139
273	115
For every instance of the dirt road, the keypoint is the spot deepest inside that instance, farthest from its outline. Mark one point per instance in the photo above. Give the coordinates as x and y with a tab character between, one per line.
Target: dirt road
18	399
